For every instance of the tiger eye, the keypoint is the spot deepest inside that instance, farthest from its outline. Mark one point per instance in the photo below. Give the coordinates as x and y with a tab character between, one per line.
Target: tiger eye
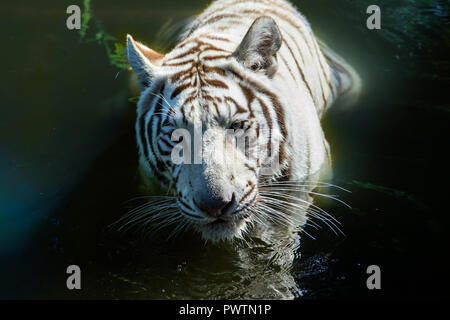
238	125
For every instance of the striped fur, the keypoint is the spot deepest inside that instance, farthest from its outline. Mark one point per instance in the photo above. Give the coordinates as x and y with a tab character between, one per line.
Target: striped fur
221	76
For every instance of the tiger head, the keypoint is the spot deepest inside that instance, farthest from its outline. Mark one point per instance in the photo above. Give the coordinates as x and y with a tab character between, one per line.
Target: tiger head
210	125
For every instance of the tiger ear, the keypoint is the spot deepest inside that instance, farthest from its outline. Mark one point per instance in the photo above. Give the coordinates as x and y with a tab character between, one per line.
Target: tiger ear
144	61
260	45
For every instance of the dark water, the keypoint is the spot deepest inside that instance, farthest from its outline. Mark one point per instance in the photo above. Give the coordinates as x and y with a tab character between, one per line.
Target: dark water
68	161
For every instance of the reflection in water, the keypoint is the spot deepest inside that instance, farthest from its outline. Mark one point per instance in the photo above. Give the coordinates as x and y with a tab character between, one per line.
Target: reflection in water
67	163
243	270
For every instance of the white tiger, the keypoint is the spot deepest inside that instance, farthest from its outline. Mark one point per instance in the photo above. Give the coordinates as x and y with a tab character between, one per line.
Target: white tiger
241	64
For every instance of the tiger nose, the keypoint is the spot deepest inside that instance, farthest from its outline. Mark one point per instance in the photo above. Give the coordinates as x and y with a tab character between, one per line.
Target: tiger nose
216	207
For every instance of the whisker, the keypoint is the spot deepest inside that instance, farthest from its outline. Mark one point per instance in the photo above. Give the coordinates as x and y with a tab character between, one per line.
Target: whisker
302	184
333	197
313	210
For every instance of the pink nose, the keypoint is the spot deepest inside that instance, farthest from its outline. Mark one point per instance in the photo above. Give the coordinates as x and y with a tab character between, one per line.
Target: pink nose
214	208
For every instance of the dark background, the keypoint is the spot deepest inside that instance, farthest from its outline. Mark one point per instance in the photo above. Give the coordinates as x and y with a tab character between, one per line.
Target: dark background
68	155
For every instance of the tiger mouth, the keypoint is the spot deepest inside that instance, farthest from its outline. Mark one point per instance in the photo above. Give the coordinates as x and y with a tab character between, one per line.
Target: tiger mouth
222	225
219	222
221	229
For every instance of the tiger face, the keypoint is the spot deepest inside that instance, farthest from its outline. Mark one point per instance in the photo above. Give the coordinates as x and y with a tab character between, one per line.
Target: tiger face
209	125
220	193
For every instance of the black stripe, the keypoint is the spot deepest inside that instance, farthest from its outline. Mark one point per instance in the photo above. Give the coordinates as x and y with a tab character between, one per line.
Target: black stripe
156	117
